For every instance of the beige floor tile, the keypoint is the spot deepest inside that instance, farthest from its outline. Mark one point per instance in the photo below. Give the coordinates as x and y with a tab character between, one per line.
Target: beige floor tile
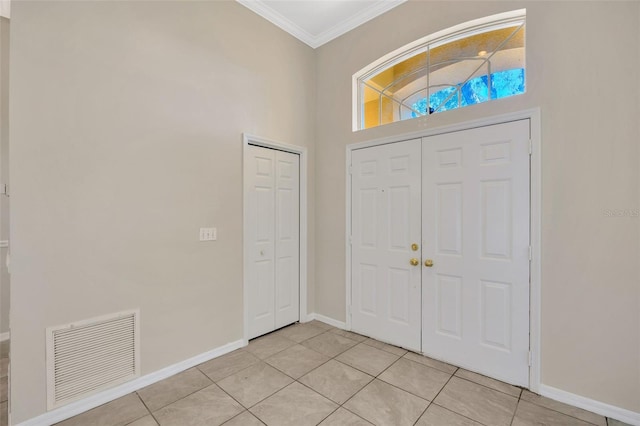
430	362
418	379
145	421
244	419
265	346
320	324
342	417
477	402
383	404
295	405
350	335
4	367
614	422
297	361
438	416
368	359
254	384
209	406
569	410
118	412
4	414
529	414
336	381
300	332
4	389
226	365
385	347
176	387
329	344
489	382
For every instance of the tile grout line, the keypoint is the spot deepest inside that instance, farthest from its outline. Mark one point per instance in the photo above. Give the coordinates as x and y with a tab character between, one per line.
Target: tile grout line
436	396
241	413
145	406
516	410
179	399
489	387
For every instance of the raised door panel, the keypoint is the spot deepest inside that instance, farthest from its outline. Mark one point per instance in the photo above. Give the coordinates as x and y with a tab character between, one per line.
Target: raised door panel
476	230
385	223
261	182
287	245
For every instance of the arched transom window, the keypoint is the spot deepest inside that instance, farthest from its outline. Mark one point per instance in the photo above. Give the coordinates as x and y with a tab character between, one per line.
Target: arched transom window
471	63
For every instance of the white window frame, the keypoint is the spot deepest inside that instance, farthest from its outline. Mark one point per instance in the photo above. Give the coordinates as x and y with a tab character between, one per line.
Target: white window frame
464	30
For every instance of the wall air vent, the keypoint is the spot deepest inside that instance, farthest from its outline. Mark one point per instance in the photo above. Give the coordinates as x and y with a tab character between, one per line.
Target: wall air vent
89	356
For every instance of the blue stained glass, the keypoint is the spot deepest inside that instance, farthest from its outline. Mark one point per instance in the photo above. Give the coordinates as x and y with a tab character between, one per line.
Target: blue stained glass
503	84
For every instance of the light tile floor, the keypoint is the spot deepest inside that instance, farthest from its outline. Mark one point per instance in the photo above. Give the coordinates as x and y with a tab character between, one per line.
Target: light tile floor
310	374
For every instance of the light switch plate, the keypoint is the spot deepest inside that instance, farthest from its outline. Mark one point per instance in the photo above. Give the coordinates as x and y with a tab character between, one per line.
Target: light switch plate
208	234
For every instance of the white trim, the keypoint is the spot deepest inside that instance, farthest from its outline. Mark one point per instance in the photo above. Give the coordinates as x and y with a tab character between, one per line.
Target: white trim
78	407
302	151
533	115
318	317
535	235
607	410
464	29
5	8
376	9
5	336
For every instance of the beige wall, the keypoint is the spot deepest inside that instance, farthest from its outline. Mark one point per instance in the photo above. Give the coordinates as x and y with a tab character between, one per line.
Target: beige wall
582	71
126	123
125	139
4	170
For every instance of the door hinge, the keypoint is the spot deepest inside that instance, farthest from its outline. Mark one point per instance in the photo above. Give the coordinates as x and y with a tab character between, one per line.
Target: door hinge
530	147
530	358
530	253
350	169
4	189
350	239
349	310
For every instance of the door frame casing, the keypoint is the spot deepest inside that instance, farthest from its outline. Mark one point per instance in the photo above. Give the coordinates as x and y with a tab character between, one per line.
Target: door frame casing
247	140
535	225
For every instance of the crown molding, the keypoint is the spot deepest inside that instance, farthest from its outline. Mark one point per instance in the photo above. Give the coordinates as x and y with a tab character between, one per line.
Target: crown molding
376	9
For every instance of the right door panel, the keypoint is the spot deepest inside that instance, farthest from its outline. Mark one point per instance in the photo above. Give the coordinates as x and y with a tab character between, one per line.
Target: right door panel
475	208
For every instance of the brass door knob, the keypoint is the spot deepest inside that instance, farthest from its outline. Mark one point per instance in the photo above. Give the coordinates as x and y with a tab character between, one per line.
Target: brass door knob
414	247
428	263
414	262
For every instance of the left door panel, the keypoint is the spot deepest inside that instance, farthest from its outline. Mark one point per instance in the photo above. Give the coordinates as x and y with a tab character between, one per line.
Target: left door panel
273	181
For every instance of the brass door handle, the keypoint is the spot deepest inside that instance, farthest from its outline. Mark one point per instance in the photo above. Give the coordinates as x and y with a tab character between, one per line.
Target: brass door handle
428	263
414	247
414	262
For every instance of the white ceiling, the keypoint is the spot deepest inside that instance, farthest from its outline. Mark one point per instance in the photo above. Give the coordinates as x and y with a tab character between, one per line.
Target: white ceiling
317	22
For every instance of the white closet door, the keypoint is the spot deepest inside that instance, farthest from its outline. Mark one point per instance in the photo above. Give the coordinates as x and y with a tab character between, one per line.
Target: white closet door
476	232
260	176
287	237
386	302
273	180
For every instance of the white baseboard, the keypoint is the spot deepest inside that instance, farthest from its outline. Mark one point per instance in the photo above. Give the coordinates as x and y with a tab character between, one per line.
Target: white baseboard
597	407
338	324
5	336
86	404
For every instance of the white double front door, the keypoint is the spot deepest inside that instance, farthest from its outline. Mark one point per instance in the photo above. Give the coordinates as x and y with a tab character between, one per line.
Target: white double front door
273	180
440	247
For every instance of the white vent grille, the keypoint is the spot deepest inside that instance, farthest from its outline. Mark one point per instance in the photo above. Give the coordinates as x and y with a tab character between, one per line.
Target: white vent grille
88	356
